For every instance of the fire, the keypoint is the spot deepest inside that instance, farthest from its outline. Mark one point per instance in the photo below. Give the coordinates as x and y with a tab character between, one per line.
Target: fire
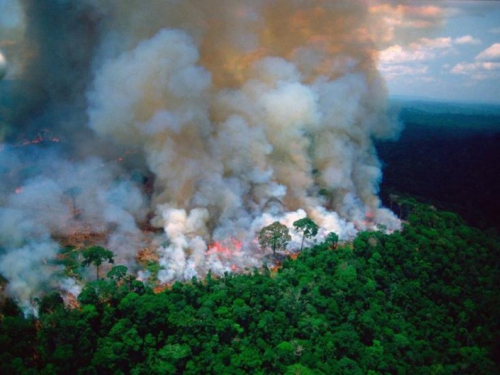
38	139
70	301
275	268
42	137
162	288
226	248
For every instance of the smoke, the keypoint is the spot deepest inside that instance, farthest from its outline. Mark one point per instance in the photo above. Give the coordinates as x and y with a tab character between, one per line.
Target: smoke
245	112
45	198
3	66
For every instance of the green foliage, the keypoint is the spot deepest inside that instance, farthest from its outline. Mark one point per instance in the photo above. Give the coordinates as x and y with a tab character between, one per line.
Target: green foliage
69	259
308	228
421	301
332	239
96	255
274	236
117	273
50	303
153	268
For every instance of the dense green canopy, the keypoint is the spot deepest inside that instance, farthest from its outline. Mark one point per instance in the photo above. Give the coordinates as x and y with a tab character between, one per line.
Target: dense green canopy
421	301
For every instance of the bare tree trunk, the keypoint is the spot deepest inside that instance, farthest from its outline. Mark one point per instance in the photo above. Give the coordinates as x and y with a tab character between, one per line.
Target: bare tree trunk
74	207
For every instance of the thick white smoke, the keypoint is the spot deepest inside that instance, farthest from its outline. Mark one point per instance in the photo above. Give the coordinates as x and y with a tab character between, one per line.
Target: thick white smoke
41	204
243	124
246	112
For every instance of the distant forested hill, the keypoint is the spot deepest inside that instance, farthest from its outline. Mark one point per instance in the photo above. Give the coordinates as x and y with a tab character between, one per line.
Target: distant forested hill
448	154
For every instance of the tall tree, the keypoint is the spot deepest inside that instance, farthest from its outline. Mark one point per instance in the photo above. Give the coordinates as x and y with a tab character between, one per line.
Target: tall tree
73	193
275	236
96	255
308	228
332	240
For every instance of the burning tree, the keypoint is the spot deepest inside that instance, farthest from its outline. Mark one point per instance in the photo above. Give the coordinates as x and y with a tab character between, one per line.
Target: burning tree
73	193
332	240
96	255
308	228
275	236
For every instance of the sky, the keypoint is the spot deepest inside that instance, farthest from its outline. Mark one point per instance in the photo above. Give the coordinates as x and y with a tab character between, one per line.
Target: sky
459	60
444	50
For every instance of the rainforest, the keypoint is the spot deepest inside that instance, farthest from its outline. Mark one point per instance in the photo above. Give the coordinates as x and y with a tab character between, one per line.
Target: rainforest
421	300
249	186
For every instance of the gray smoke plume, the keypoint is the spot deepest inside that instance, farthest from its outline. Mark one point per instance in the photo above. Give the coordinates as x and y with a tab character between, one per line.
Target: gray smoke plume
245	112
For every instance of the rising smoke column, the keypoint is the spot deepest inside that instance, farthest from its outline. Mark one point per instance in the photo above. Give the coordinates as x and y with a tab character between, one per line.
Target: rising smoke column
245	110
50	47
36	207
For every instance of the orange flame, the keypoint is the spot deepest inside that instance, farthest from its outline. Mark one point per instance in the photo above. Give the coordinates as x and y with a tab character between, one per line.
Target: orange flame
226	248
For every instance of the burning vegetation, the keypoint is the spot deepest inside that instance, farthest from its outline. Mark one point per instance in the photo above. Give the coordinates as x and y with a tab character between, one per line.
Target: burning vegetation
176	147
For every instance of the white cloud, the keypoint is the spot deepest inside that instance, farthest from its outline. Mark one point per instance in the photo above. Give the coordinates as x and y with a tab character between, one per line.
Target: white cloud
423	49
433	44
392	71
407	18
469	68
397	54
400	60
467	39
486	66
495	30
492	53
478	71
409	61
414	16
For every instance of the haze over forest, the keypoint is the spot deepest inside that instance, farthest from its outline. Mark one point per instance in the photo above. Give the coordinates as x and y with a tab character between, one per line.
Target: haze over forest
277	186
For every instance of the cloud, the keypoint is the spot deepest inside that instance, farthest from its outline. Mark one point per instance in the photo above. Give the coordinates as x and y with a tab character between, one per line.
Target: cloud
406	22
423	49
433	44
478	70
486	65
392	71
495	30
467	39
397	54
410	60
411	16
492	53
